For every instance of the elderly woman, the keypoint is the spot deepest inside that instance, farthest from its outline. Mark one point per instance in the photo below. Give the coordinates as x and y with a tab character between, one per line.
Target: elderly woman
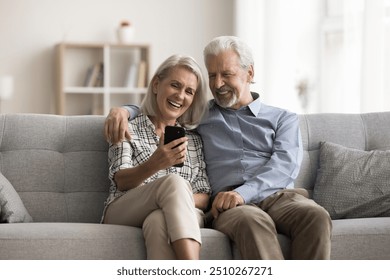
147	190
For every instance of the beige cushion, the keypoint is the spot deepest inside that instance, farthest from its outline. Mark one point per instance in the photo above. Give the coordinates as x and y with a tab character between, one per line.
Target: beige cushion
353	183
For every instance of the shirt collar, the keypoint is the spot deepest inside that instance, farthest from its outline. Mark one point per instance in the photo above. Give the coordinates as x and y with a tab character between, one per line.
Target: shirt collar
255	105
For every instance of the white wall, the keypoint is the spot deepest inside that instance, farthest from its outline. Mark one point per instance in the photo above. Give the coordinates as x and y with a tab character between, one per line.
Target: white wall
30	29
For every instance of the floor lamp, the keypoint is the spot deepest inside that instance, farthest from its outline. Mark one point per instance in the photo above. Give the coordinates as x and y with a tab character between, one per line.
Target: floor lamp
6	89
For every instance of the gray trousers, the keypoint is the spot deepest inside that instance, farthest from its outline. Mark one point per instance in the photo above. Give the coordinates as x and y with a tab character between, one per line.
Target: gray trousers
253	228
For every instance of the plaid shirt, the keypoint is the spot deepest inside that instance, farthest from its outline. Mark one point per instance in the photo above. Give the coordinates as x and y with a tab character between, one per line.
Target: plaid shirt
142	145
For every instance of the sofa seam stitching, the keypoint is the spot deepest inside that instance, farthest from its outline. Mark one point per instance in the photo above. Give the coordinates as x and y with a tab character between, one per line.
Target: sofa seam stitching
365	131
63	160
1	142
308	145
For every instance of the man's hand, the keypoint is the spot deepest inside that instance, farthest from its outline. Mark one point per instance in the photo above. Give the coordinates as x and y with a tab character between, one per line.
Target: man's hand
224	201
116	125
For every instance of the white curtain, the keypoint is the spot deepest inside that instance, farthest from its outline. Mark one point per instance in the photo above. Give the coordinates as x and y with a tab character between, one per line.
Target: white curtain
284	37
375	94
352	32
343	58
249	25
365	56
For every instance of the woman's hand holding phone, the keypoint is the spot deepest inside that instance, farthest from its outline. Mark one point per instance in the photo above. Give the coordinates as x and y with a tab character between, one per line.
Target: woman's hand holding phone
171	153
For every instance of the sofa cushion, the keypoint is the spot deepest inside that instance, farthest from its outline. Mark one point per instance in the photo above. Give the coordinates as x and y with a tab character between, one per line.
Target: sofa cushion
353	183
80	241
361	239
70	241
12	209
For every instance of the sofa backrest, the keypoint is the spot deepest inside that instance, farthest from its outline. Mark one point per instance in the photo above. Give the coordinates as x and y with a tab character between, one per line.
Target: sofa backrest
370	131
57	164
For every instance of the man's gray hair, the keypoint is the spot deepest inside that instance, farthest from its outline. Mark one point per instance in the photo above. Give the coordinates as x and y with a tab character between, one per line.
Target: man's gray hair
224	43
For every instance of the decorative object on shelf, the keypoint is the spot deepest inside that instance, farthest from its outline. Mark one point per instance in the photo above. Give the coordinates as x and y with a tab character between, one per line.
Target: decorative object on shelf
125	32
6	88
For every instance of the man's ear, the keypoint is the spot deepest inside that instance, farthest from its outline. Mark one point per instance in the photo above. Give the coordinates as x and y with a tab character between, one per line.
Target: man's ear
251	73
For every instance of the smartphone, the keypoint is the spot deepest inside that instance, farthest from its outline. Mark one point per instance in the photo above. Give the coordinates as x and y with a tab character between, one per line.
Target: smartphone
173	133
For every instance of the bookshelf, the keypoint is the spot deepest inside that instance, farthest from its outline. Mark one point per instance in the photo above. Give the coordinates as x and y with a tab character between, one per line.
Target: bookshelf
92	78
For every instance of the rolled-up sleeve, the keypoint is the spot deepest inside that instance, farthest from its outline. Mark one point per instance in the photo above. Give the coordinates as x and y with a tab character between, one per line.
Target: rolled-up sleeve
119	157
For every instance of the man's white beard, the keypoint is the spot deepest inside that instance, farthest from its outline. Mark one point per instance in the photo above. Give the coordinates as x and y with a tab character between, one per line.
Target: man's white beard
226	102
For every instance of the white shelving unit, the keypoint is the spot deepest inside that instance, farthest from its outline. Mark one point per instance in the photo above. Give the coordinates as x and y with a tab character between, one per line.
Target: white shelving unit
74	60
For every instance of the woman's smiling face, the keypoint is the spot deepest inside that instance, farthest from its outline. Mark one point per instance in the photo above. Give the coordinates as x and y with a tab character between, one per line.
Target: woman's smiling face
175	93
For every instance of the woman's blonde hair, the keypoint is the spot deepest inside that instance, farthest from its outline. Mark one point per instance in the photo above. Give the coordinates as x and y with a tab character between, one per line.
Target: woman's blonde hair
192	117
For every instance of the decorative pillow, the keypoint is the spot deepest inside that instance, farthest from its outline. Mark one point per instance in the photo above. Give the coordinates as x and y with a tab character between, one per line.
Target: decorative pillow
353	183
12	209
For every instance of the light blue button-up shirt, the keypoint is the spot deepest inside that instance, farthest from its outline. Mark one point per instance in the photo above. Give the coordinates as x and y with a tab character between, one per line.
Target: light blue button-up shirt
256	149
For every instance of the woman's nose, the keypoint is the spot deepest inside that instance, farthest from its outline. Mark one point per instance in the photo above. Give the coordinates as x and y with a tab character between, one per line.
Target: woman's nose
180	94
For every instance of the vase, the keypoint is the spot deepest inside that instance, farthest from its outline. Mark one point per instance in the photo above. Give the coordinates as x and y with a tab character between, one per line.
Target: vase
125	34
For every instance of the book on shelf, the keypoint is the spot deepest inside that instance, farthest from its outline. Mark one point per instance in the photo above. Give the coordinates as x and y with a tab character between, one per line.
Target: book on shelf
136	75
142	74
94	76
131	77
88	76
99	82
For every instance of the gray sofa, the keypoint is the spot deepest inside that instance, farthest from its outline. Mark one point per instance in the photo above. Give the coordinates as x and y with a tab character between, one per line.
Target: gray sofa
58	167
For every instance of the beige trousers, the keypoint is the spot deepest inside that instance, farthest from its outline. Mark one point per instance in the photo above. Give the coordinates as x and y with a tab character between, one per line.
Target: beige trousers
156	236
254	228
167	203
